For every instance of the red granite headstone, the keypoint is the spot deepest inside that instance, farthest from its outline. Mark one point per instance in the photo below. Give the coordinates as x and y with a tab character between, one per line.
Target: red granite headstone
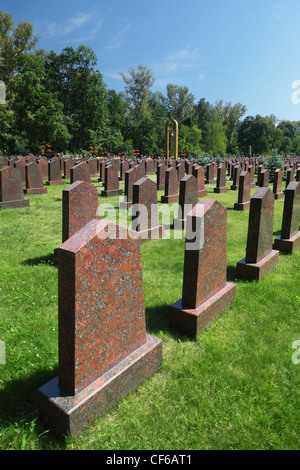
11	189
198	172
243	203
171	187
160	172
260	258
289	239
263	179
92	165
43	165
188	198
54	174
210	179
80	172
111	183
236	176
79	206
277	184
221	180
145	215
104	350
130	178
206	292
34	180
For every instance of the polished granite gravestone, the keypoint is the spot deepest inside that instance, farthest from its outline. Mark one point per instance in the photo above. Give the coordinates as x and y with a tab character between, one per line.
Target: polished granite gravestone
104	350
130	178
111	182
188	198
79	206
11	189
206	292
210	179
171	187
277	184
33	180
260	258
68	163
80	172
42	163
259	169
289	239
243	203
221	180
236	177
124	166
54	174
263	179
289	176
149	166
199	173
20	165
180	171
160	175
145	214
92	165
3	162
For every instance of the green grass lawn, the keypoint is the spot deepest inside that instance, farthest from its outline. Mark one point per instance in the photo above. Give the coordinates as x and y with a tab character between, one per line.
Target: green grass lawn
235	387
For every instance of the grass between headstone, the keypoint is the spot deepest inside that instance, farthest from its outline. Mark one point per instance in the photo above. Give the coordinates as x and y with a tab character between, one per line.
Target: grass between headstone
235	387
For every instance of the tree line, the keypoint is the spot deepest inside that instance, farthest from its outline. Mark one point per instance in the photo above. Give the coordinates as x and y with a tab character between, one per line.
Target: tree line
61	100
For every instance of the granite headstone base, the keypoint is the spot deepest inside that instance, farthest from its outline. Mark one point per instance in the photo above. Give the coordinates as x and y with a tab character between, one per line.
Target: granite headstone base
153	233
279	195
170	199
111	192
55	183
192	321
69	414
35	190
241	206
221	189
256	271
14	204
288	245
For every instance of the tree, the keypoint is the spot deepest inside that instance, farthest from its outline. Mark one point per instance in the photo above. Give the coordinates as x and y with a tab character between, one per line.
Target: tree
72	78
259	132
137	85
189	139
179	103
231	115
13	43
211	124
39	117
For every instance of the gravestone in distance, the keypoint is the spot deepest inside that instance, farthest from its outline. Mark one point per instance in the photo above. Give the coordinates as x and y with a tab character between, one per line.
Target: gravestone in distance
188	198
206	292
277	184
145	214
243	203
263	179
210	179
79	206
289	239
236	177
199	173
11	189
171	187
260	258
34	180
54	173
221	180
80	172
111	182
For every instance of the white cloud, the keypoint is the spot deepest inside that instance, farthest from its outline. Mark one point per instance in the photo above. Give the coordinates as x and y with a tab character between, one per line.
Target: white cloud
118	40
84	25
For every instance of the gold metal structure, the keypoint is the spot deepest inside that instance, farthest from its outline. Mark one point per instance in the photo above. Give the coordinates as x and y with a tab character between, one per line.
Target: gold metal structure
167	138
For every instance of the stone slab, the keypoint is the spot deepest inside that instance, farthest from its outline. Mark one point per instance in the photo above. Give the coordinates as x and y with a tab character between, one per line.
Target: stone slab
241	206
287	245
112	192
14	204
192	321
69	414
256	271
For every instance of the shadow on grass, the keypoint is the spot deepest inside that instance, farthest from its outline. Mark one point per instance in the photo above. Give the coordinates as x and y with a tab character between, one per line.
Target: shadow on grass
47	259
157	321
19	407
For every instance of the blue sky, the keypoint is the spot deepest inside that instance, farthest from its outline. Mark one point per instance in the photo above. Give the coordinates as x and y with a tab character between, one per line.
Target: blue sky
238	51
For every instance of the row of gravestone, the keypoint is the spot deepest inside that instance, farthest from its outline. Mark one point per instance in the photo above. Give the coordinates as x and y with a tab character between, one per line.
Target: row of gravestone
104	350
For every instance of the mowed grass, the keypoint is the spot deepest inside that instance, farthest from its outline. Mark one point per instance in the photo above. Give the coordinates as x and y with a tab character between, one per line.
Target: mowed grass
235	387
